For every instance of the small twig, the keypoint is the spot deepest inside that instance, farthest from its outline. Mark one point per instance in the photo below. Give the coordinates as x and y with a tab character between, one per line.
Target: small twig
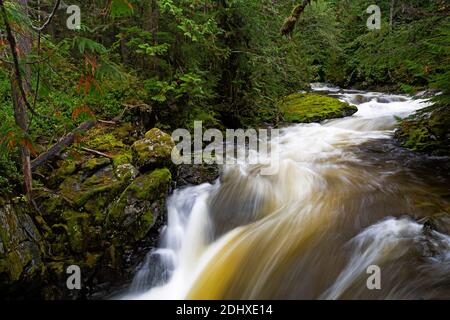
107	122
27	63
95	152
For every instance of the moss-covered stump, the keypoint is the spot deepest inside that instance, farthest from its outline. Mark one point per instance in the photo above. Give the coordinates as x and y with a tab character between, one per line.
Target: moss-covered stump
137	209
153	151
310	107
427	131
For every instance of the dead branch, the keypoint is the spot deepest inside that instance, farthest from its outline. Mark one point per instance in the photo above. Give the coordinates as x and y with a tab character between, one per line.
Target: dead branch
290	22
97	153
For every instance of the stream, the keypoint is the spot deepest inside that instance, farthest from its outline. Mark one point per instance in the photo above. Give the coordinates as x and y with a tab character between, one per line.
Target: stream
346	197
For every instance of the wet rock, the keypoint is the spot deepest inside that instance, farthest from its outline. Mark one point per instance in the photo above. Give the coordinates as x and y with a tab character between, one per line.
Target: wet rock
193	174
97	212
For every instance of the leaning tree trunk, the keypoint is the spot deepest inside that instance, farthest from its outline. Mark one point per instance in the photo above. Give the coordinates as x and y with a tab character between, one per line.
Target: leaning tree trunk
290	22
391	14
23	42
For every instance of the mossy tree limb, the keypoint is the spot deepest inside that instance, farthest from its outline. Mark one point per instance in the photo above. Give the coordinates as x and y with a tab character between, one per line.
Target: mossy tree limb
290	22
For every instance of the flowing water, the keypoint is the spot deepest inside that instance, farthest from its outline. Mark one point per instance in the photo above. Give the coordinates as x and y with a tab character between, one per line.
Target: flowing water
345	198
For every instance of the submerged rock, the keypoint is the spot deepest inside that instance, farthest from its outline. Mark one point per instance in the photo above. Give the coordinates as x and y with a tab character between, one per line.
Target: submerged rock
195	174
310	107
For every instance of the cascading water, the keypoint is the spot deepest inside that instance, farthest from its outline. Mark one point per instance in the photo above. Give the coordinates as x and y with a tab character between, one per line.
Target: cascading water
345	197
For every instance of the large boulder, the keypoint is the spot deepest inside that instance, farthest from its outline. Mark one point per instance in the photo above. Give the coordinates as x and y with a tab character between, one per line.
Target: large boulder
153	151
310	107
20	247
136	210
428	130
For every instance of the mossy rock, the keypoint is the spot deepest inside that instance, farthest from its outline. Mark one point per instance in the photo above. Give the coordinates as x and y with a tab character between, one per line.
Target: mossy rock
136	210
20	248
95	192
154	150
100	139
427	131
127	133
77	230
310	107
93	164
65	168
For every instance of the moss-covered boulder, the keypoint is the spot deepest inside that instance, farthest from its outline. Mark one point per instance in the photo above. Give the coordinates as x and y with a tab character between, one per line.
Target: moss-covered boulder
20	249
95	192
310	107
154	150
138	207
427	131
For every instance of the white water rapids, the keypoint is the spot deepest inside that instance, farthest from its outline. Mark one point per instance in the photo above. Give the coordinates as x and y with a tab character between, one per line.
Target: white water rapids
336	206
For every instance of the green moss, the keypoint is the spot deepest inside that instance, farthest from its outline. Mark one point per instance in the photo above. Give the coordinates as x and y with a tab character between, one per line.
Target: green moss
155	149
92	259
150	186
427	131
77	226
66	168
309	107
143	225
124	131
134	212
95	163
105	142
122	158
95	192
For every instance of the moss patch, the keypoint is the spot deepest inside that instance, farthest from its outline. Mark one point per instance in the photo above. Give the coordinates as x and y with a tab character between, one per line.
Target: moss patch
154	150
136	209
428	131
309	107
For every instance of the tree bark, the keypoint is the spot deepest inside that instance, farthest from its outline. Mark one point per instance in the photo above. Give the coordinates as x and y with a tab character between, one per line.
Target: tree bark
391	14
290	22
23	42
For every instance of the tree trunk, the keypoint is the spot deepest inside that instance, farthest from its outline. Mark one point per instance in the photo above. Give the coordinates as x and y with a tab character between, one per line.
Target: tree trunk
391	14
20	85
20	111
290	22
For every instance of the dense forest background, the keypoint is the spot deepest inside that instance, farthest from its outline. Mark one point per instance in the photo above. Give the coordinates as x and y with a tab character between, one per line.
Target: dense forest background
224	62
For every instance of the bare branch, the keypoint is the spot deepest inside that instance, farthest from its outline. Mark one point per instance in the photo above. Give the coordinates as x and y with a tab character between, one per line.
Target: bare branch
49	19
97	153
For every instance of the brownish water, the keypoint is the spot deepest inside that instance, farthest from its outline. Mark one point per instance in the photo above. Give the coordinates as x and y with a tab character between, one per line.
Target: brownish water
345	198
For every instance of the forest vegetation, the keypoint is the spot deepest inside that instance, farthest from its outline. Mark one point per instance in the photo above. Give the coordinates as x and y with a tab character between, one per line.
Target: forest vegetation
78	107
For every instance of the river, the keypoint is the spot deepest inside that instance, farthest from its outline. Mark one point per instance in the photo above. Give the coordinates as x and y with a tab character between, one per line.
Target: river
345	198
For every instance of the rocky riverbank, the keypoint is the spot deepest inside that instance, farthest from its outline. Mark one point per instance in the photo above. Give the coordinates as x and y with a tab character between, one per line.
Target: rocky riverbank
103	202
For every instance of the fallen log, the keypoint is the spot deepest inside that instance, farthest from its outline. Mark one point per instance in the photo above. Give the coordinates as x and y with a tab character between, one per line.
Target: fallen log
61	144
